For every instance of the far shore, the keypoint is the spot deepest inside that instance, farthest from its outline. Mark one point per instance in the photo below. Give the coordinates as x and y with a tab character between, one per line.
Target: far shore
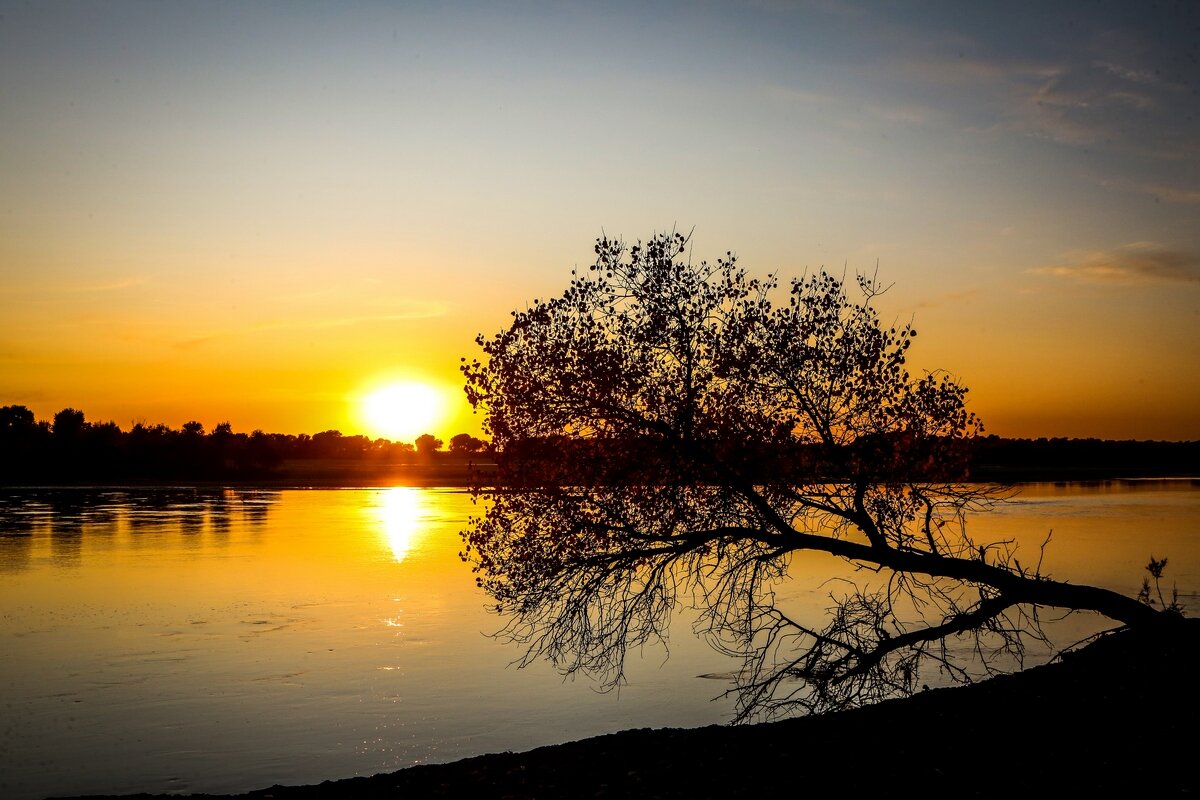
1115	717
463	476
106	456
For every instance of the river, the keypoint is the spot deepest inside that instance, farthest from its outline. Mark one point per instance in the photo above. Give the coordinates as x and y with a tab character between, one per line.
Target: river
182	640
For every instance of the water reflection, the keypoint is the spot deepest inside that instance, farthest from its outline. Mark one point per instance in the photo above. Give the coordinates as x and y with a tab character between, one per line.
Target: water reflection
286	644
400	512
61	525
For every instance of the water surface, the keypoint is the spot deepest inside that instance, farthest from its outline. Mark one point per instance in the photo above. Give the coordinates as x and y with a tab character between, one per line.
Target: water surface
183	640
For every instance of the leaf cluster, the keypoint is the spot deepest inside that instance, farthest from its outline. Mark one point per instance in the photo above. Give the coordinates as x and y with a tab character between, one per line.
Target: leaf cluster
670	433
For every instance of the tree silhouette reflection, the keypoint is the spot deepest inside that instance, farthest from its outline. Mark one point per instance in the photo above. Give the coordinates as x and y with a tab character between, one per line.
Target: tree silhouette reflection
63	520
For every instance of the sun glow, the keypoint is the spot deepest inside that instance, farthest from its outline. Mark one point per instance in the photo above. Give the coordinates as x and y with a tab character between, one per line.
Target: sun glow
400	511
402	411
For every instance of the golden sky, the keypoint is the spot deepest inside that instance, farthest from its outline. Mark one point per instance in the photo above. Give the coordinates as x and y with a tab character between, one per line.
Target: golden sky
257	212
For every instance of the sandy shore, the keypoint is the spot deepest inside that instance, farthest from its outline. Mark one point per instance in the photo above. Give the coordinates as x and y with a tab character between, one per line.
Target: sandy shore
1119	716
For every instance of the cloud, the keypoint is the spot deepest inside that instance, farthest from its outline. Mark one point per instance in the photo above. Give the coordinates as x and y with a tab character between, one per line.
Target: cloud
1127	73
1137	263
1114	92
128	283
950	69
911	114
78	288
411	311
1087	105
950	299
415	311
1051	99
1169	194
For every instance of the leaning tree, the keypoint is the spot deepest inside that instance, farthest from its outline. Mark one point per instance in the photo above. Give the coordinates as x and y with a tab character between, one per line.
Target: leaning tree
673	433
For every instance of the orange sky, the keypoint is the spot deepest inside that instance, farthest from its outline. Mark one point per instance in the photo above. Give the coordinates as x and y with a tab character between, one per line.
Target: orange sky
256	213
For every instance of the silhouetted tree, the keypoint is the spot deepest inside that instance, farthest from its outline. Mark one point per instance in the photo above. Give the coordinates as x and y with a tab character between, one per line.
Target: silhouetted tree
326	444
1058	459
465	443
16	420
24	444
262	453
704	434
400	452
68	424
427	444
68	430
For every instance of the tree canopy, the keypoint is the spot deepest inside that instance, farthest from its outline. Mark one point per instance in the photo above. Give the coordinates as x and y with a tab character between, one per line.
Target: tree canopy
670	432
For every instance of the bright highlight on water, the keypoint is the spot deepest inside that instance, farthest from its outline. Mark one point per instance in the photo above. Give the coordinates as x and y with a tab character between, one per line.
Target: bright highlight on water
215	641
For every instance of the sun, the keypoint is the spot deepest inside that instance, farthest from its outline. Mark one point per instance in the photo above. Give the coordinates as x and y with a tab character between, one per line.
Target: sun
402	411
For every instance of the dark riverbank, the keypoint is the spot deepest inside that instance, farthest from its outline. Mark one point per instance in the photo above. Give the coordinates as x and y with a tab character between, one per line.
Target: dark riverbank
1118	716
72	451
462	476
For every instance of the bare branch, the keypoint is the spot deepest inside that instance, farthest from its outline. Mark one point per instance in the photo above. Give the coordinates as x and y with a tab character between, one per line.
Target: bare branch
668	432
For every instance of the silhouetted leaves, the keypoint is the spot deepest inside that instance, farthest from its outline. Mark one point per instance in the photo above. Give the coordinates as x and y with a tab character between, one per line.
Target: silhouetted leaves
670	432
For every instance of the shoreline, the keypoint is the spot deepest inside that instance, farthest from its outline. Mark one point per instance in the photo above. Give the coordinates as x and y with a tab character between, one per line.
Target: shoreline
462	479
1117	714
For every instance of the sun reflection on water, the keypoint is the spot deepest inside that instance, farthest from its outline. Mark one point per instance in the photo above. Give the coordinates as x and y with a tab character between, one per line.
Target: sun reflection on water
400	510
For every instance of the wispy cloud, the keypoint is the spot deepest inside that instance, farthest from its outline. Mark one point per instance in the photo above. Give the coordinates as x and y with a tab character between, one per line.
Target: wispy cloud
950	298
963	70
1168	194
910	114
411	311
128	283
1125	72
1132	264
1105	91
1089	105
76	288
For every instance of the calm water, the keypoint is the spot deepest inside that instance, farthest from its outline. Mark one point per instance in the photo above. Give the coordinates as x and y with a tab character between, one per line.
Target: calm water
158	640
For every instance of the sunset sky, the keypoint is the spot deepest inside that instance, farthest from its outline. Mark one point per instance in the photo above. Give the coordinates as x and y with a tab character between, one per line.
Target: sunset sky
261	212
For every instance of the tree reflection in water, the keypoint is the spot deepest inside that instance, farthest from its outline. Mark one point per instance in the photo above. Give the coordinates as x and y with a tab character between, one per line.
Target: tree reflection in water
66	517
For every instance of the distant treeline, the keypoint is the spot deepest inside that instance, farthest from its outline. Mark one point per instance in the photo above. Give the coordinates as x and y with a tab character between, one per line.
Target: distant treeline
885	458
994	458
69	449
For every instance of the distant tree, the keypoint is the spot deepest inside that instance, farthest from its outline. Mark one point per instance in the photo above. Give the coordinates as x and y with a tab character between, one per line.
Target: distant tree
23	445
105	431
465	443
193	428
357	446
427	445
262	452
667	432
16	420
326	444
68	423
401	452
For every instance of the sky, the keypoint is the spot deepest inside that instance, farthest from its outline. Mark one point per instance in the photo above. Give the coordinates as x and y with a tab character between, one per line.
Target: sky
260	212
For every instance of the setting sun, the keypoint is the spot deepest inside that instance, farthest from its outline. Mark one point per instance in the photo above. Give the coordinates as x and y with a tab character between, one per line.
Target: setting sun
402	411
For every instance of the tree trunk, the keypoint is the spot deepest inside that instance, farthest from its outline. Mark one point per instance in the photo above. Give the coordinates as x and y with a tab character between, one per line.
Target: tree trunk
1014	586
